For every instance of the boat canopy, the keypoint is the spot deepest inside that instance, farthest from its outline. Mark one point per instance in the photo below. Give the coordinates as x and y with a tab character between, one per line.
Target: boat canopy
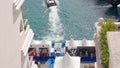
72	44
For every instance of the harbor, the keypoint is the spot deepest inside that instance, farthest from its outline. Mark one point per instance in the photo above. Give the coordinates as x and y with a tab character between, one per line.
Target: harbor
59	47
51	54
46	51
71	19
60	34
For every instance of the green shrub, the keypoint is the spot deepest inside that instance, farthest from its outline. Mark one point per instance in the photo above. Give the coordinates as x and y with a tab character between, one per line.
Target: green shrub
85	66
107	26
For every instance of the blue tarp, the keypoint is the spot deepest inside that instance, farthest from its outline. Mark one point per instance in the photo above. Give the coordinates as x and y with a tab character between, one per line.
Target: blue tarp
51	62
45	59
63	46
41	59
88	59
57	54
52	45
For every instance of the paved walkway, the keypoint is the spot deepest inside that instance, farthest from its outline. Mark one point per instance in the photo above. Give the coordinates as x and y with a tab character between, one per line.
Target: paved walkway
98	50
82	65
44	65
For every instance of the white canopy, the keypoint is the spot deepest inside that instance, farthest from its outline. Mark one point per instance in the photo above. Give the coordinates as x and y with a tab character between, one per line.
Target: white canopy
72	44
67	62
44	42
41	42
84	42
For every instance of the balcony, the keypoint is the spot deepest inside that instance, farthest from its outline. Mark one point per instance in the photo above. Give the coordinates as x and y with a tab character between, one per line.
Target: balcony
28	60
23	59
32	63
27	41
27	35
18	3
23	25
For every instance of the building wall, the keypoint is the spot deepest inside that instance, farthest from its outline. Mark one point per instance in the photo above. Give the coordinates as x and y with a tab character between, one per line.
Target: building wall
110	64
11	39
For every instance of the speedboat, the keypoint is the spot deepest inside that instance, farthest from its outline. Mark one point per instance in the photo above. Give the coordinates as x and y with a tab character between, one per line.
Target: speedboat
50	3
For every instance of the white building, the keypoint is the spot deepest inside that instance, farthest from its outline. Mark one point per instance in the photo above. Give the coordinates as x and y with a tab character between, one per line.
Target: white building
67	61
114	49
98	26
15	36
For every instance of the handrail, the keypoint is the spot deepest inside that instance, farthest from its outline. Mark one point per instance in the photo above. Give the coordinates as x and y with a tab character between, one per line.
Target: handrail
27	41
18	3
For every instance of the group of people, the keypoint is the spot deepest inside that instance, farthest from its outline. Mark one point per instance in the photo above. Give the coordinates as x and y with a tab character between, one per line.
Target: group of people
72	52
83	52
44	52
32	52
87	52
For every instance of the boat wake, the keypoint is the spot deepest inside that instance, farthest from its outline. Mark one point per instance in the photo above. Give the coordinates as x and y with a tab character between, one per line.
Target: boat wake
43	4
55	25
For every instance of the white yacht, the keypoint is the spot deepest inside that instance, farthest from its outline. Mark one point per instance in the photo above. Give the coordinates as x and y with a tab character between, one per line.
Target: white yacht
50	3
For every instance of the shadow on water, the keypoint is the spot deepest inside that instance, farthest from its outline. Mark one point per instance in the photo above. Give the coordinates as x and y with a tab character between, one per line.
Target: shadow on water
112	13
101	2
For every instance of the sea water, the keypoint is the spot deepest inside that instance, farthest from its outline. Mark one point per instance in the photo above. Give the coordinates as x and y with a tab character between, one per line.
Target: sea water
70	18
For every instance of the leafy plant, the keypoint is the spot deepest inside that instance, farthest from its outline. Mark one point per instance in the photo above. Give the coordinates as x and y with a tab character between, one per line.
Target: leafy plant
107	26
85	66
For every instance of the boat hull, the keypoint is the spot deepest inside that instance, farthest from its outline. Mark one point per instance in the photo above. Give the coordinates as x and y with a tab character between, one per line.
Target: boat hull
50	4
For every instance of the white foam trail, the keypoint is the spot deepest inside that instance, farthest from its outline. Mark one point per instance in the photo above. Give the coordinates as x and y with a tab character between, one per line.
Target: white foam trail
57	2
43	3
55	26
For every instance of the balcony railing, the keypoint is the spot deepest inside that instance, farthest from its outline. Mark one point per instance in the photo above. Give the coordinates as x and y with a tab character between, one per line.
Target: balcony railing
18	3
23	59
28	35
30	61
27	59
23	25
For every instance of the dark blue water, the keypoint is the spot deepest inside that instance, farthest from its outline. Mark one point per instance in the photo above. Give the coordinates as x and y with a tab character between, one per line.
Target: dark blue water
72	18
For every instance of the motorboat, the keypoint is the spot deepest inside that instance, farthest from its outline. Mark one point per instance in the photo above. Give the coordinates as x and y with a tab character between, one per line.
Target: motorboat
50	3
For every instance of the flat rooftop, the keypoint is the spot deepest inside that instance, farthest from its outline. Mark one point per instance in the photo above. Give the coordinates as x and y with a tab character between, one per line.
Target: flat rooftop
114	48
